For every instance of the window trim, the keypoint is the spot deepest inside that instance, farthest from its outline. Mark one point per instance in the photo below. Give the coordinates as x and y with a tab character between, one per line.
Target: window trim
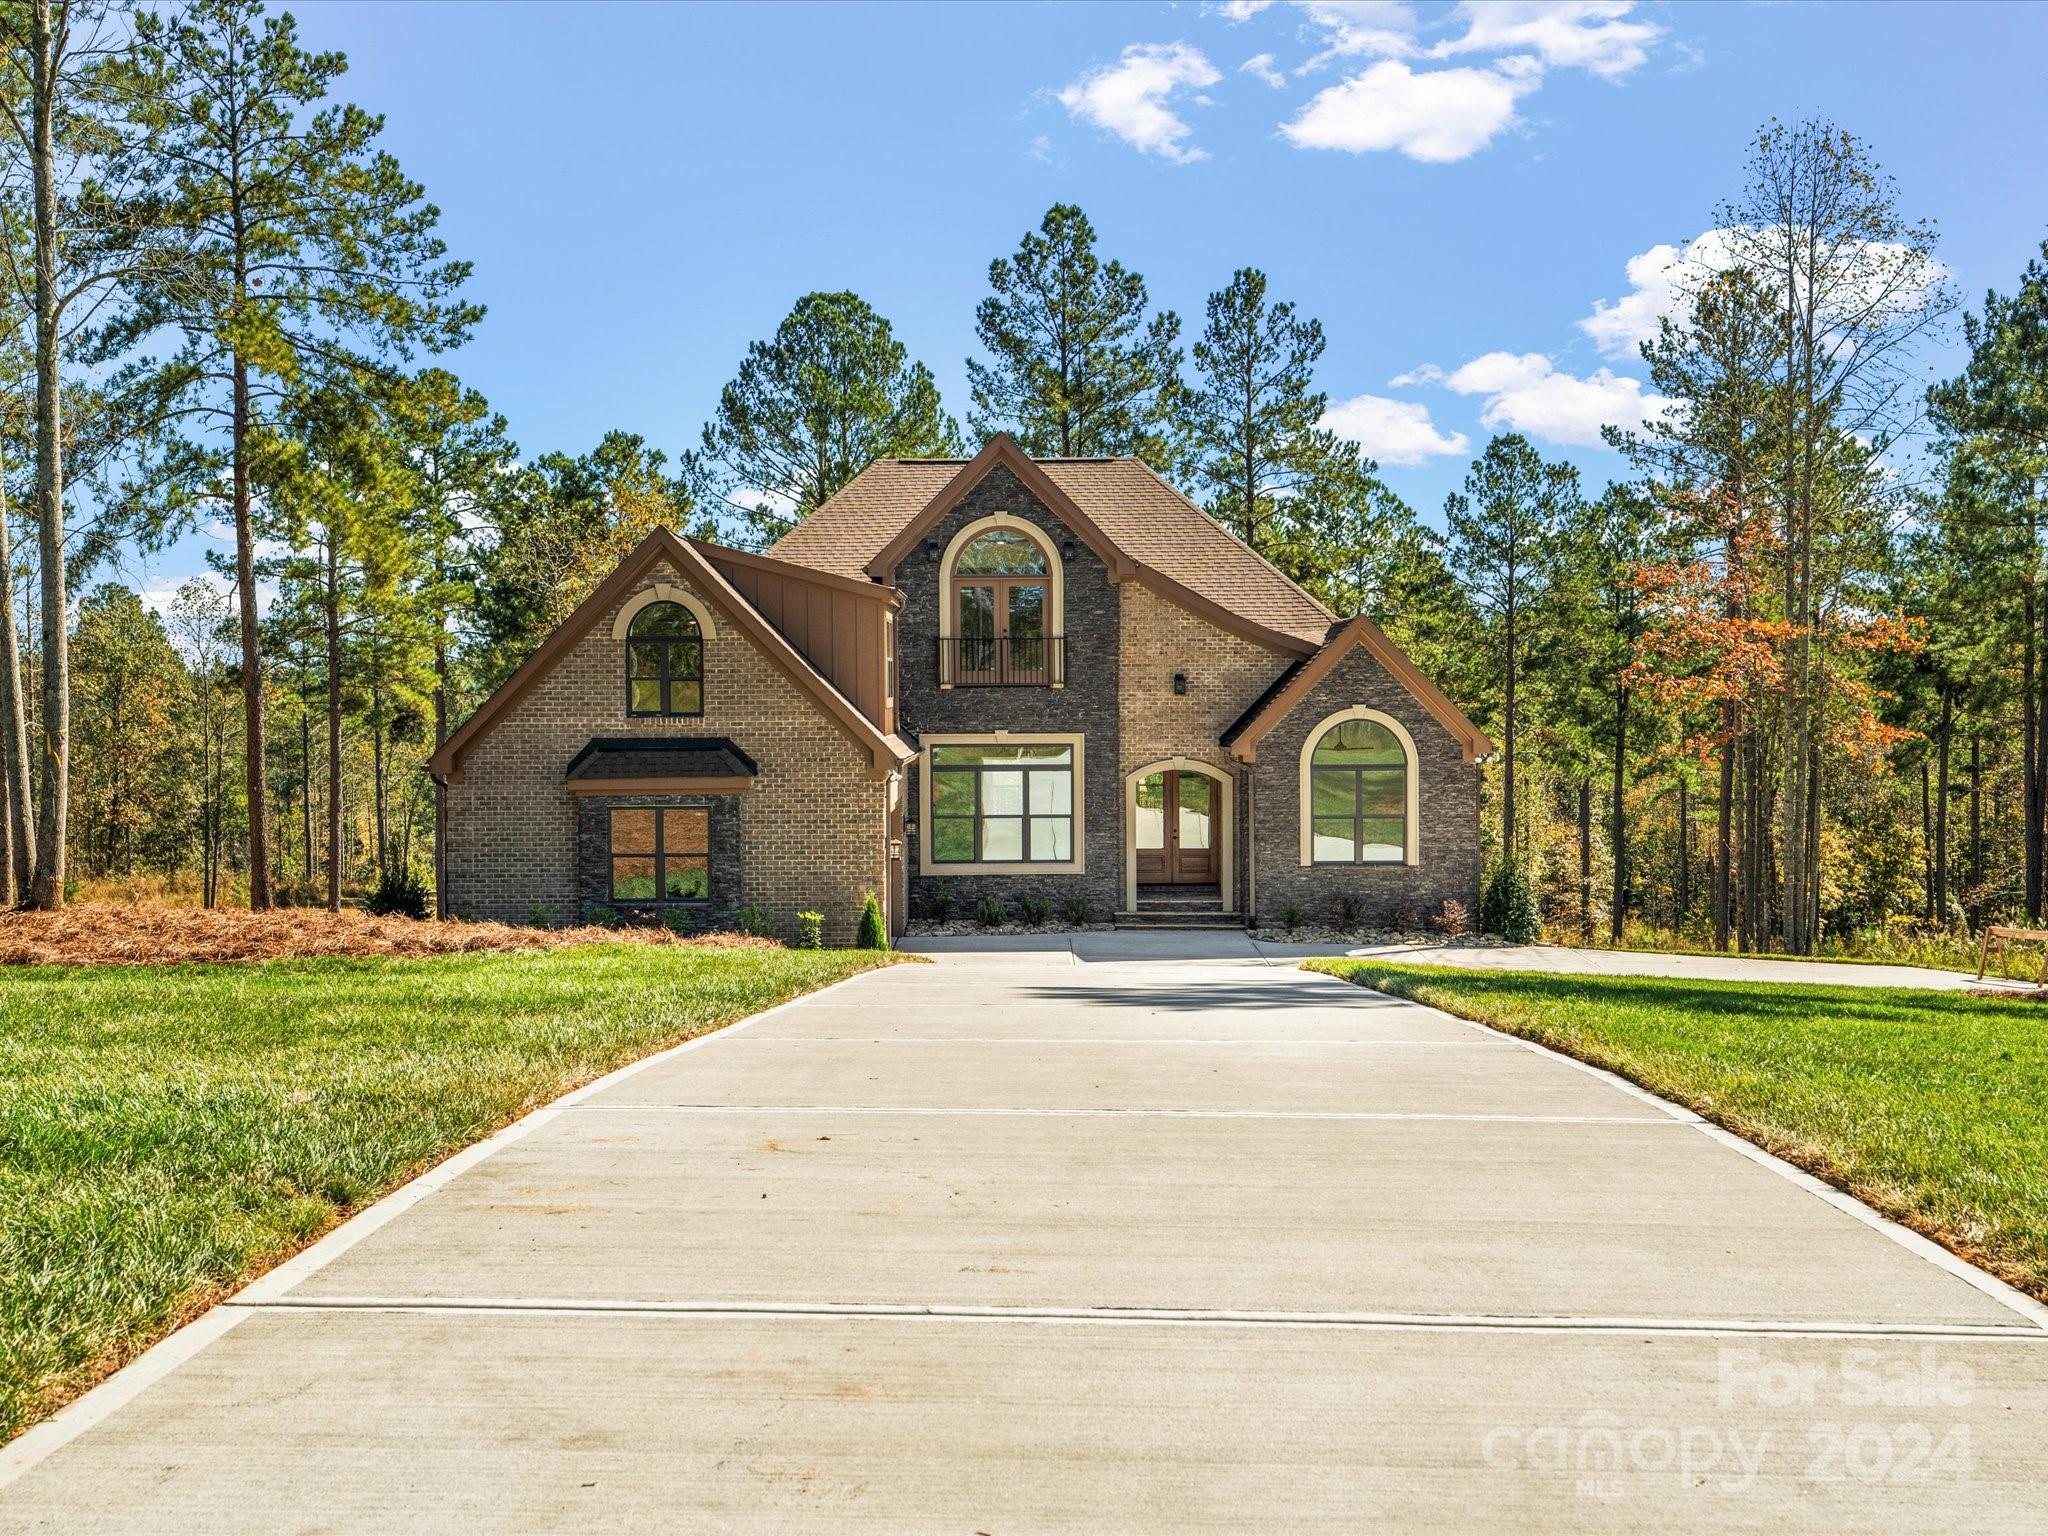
669	645
659	855
1305	808
663	592
1054	580
1075	866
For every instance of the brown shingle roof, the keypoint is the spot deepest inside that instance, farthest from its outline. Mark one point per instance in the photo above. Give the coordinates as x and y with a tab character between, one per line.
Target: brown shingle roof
1140	513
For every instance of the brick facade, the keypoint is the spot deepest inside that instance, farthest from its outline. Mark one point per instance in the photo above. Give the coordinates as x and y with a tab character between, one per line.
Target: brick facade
812	826
1087	705
1447	812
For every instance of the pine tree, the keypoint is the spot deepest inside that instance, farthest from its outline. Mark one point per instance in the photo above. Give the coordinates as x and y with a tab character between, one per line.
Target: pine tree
315	267
1501	531
1075	369
811	407
1254	443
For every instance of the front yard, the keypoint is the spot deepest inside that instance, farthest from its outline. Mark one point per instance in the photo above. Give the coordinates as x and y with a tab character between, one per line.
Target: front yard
1930	1106
167	1132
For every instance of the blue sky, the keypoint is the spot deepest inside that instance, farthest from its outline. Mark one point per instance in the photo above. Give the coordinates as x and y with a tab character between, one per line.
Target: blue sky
644	189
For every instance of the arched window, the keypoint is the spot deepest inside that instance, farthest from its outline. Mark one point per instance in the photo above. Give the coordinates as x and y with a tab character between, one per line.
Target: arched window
664	662
1002	601
1359	795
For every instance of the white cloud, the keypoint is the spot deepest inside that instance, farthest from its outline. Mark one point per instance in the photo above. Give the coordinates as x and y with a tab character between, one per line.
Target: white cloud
1443	115
1260	66
1354	29
1391	431
1563	34
1525	393
1129	98
1898	282
1242	10
1437	116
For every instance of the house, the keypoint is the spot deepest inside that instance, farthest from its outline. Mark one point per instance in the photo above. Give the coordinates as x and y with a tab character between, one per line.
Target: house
1005	677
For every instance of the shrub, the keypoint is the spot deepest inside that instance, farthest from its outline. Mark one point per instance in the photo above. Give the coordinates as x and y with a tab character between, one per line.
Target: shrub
1453	922
1078	911
678	919
1508	906
1405	918
753	920
989	912
540	915
871	932
810	930
1291	916
1347	912
1036	910
602	917
940	902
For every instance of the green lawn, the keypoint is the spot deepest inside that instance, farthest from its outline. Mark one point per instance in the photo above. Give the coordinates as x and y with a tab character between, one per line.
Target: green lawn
166	1132
1930	1106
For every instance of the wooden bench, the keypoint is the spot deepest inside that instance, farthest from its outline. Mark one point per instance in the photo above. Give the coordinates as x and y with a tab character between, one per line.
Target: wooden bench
2003	939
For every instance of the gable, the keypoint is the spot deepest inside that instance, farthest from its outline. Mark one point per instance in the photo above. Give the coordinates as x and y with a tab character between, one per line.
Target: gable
1359	634
662	552
1001	450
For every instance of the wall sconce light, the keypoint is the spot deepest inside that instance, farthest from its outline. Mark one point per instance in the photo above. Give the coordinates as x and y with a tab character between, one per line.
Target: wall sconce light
1180	682
931	550
1068	548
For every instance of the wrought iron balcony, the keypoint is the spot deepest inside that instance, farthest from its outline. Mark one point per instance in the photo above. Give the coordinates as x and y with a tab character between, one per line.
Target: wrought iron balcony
1002	661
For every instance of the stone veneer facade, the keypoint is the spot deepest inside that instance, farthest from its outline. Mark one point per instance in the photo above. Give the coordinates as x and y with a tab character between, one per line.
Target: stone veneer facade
810	832
1447	811
1086	705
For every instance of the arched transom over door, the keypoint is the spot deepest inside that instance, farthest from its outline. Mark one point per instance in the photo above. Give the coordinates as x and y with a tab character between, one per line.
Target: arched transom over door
1176	828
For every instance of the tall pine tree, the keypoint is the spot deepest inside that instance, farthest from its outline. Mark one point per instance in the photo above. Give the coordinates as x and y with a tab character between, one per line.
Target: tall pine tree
1076	367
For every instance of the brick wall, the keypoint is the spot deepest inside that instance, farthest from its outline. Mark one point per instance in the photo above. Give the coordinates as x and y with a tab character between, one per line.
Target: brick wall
1224	672
1086	705
812	824
1447	811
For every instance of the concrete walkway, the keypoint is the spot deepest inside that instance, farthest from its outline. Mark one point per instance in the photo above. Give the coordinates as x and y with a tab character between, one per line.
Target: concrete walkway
1233	944
1030	1241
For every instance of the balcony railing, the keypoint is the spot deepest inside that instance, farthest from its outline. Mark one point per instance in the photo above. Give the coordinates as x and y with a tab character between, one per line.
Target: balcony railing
1002	661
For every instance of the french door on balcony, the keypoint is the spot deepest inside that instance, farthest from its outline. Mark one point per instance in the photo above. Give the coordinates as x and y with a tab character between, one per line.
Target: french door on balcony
1176	830
1001	629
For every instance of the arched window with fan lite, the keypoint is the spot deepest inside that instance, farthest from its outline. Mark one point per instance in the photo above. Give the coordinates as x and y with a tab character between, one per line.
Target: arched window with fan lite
1358	791
664	662
999	615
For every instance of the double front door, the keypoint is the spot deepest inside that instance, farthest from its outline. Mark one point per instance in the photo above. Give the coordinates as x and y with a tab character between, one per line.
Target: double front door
1176	829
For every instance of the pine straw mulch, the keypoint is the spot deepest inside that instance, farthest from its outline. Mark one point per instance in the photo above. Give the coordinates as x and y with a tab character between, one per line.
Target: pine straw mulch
149	933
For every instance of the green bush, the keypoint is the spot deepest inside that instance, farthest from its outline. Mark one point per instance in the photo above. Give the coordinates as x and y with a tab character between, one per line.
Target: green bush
940	902
540	914
754	920
810	930
990	912
399	893
1291	916
1078	911
1508	906
871	932
602	917
1036	910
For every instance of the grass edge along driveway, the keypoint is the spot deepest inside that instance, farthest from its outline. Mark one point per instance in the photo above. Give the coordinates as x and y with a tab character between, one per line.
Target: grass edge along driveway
167	1133
1927	1106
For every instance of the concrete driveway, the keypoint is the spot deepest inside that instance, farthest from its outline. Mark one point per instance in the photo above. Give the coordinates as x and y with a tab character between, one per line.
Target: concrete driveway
1028	1241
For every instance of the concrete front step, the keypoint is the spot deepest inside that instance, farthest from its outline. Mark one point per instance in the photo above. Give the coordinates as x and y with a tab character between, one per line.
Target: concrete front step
1170	917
